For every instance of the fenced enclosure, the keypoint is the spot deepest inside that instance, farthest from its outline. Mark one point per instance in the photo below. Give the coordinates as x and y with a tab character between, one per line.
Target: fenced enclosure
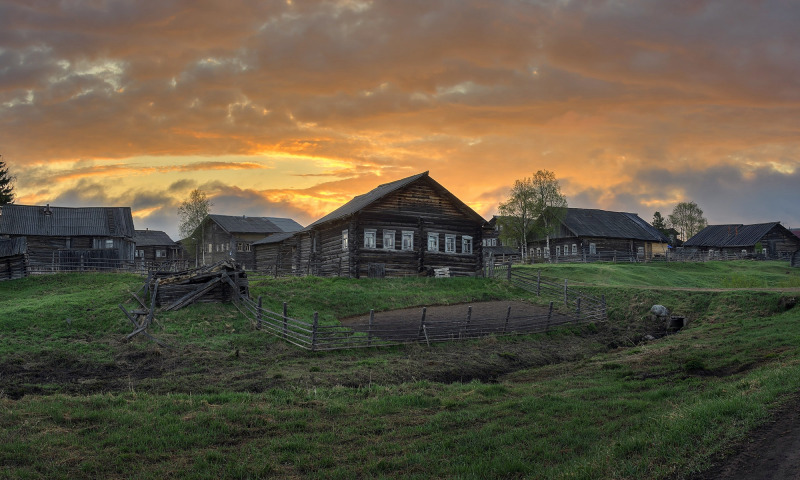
567	306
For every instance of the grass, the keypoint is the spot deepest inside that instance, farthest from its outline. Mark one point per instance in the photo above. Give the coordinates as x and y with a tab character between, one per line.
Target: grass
230	402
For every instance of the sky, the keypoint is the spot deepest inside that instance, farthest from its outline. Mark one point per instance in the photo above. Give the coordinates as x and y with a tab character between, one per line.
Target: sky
290	108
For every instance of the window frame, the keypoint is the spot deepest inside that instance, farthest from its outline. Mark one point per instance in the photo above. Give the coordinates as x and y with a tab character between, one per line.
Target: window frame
449	243
435	237
370	234
407	247
466	244
391	244
161	253
345	240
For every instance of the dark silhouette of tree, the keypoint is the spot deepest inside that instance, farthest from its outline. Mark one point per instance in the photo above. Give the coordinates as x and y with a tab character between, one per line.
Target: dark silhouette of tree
6	184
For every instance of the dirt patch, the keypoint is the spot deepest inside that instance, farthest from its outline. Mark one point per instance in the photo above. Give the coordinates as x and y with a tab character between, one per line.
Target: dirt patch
771	452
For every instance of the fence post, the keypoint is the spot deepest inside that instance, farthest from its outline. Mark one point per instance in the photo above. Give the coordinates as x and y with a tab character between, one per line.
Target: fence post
258	314
538	281
314	332
565	291
369	332
508	315
549	316
578	317
508	274
422	322
285	321
469	317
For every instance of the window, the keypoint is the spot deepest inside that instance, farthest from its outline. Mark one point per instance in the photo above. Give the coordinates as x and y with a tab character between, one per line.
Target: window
574	249
433	242
345	243
109	243
239	247
494	242
247	247
592	249
210	247
408	240
539	251
369	238
466	244
388	239
558	250
546	252
640	251
450	243
161	253
139	254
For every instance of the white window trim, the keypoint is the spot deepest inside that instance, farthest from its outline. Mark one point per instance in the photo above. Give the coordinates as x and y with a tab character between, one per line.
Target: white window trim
345	240
435	237
558	250
161	253
370	234
449	243
466	244
592	249
410	235
574	248
390	244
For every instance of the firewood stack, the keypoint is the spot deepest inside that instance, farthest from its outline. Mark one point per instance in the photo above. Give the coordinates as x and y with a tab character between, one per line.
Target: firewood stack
221	282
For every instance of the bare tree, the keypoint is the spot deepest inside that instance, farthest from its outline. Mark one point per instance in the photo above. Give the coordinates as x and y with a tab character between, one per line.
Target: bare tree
533	208
6	185
687	218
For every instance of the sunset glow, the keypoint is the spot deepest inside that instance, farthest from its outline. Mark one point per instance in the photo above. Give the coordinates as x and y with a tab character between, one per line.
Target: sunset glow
279	108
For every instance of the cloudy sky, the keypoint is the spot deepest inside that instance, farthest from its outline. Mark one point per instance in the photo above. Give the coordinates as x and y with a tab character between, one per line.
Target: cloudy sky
289	108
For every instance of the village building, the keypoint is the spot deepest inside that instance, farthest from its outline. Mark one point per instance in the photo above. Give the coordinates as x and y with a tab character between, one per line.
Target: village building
155	248
62	238
412	226
13	258
769	240
591	235
225	237
275	255
493	248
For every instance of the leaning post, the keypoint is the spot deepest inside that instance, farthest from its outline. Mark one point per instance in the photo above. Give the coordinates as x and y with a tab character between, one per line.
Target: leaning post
314	332
422	322
285	320
258	313
369	332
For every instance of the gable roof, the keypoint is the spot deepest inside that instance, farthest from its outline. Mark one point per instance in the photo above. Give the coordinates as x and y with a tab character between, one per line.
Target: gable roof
36	220
360	202
265	225
10	247
151	238
733	235
588	222
276	238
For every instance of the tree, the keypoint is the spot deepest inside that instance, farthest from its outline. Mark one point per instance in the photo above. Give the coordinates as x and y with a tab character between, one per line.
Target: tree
687	218
191	214
659	223
6	185
534	207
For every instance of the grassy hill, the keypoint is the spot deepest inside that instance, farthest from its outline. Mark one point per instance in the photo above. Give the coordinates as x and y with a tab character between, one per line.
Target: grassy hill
229	401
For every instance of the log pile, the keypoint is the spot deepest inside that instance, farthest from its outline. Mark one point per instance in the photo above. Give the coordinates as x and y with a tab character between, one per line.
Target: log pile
223	281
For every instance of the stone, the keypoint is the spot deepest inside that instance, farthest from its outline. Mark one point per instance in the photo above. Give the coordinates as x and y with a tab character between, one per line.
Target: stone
659	311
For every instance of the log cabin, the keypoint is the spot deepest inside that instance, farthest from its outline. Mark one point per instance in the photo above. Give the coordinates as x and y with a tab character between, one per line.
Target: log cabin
13	258
155	248
768	240
412	226
63	238
591	235
223	237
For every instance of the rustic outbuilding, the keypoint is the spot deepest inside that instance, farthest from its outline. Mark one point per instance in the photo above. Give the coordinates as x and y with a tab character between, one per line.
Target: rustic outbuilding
225	237
275	254
13	258
412	226
155	248
768	240
63	238
589	235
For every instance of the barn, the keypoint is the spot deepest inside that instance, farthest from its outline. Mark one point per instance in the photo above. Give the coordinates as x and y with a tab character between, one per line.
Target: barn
222	237
155	248
13	261
589	234
770	240
64	239
411	226
275	254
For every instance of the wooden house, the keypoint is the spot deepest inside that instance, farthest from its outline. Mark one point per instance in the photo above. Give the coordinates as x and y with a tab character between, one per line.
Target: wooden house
224	237
62	238
590	234
770	240
275	254
493	248
410	226
13	258
155	248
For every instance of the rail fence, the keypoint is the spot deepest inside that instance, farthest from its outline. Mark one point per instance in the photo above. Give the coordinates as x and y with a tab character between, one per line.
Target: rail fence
578	309
108	266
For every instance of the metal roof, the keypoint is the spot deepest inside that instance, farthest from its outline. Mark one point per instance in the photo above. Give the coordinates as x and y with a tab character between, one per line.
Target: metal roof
362	201
10	247
152	238
40	220
265	225
587	222
733	235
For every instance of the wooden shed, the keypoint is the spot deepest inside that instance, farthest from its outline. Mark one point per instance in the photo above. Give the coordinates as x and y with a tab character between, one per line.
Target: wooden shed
275	254
65	239
154	248
591	234
410	226
767	240
13	258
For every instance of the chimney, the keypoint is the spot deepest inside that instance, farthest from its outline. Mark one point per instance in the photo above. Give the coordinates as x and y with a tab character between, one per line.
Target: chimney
47	210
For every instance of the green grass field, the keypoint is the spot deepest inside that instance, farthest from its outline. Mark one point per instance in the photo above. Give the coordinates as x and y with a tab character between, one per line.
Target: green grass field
227	401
